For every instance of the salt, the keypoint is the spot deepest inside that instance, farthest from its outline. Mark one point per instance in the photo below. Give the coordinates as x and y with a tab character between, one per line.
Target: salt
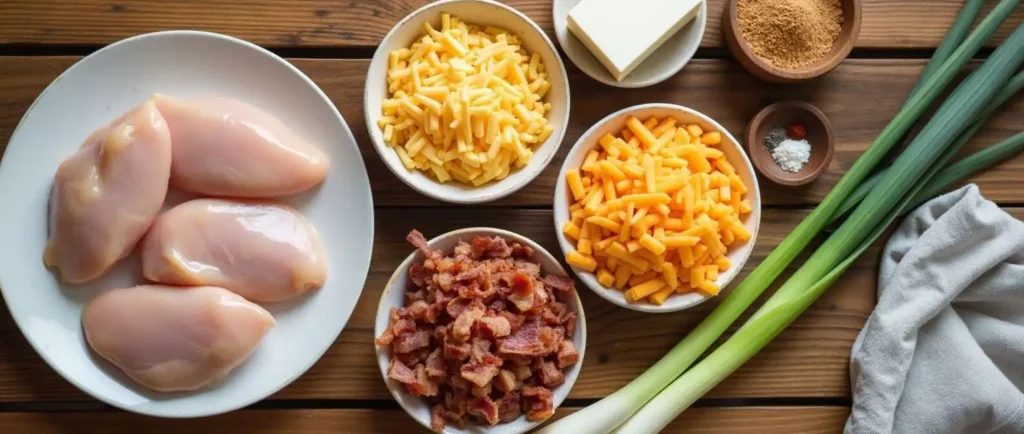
791	155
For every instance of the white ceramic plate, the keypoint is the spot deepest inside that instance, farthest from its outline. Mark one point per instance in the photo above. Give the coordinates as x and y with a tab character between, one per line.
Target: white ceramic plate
394	296
733	151
108	83
479	12
663	63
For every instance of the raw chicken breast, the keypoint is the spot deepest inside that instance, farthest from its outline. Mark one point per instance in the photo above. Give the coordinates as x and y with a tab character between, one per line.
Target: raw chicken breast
174	339
107	194
224	147
263	251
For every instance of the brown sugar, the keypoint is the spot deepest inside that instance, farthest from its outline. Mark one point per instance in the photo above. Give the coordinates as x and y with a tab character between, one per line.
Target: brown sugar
790	34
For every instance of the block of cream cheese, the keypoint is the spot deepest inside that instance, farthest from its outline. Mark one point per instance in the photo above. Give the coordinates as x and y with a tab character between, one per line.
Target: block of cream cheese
621	33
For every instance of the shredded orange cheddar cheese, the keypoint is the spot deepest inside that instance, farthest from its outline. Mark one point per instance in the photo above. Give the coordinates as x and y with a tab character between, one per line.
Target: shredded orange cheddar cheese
656	209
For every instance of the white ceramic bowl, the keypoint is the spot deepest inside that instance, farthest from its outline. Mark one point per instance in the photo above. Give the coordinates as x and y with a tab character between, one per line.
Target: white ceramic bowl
480	12
614	123
394	296
662	64
103	86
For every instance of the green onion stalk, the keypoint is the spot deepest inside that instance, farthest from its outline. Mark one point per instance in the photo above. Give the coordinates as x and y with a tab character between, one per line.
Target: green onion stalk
608	413
1005	93
896	190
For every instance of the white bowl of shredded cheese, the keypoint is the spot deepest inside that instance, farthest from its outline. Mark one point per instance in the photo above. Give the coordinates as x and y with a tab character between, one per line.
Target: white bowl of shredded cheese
503	75
735	254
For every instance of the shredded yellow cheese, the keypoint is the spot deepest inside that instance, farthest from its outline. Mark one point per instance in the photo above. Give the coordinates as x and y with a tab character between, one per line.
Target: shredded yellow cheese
467	103
656	210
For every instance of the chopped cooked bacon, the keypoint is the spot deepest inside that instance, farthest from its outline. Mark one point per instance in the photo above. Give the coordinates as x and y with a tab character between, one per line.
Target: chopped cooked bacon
416	239
521	252
552	338
498	248
457	406
462	249
417	310
506	381
444	281
480	392
446	265
522	292
460	384
437	369
531	269
463	325
414	296
457	305
570	324
437	417
475	290
482	332
385	338
525	341
430	316
456	351
401	373
469	275
478	247
549	317
493	326
523	372
509	407
423	386
418	274
539	403
485	409
567	355
410	342
480	349
514	321
403	326
560	283
550	375
479	373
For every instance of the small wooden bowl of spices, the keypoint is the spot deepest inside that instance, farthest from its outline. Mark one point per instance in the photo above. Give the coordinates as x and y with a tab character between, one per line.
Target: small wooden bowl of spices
786	41
790	142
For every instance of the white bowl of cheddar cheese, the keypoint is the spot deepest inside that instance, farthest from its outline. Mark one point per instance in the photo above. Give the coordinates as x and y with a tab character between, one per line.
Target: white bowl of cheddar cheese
730	149
412	28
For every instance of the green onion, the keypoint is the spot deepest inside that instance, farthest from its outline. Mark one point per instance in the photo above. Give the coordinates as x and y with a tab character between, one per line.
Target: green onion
910	172
613	410
968	166
1005	93
954	37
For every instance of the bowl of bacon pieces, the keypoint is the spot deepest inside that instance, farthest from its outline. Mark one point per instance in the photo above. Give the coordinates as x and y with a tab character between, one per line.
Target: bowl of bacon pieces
480	330
658	208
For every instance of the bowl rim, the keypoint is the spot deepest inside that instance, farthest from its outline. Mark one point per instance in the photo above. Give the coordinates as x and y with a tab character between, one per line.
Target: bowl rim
536	167
560	207
794	180
731	25
383	355
602	75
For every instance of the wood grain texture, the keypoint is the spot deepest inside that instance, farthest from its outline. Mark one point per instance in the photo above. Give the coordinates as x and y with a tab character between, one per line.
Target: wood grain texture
363	23
809	359
750	420
860	97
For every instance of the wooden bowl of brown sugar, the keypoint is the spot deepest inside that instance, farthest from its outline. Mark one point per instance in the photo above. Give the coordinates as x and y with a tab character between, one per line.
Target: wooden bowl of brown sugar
786	41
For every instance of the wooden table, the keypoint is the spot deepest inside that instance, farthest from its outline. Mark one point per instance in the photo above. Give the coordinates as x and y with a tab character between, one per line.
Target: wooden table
798	384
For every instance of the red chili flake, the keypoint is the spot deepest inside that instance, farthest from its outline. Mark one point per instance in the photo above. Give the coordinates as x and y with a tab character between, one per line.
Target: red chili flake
796	131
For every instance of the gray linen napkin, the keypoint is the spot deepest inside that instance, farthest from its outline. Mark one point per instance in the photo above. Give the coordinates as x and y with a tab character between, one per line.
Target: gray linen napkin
943	351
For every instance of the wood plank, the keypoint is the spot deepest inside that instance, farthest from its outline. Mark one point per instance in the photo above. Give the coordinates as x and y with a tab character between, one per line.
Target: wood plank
752	420
810	359
859	98
327	23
